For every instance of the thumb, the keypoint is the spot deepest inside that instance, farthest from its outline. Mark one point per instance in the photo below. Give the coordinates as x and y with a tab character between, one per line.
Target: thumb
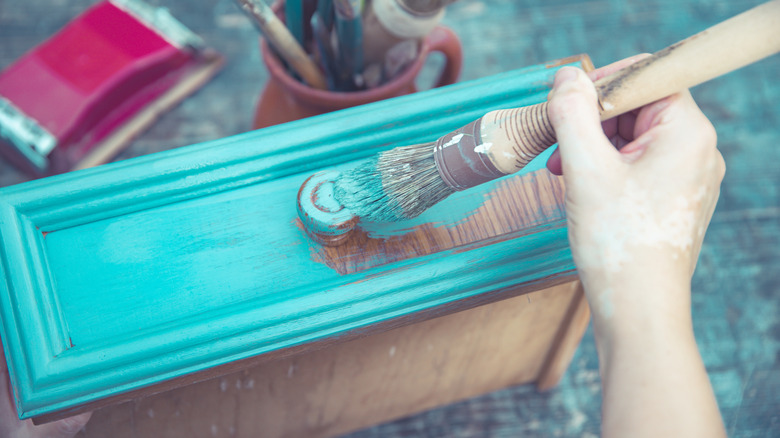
574	114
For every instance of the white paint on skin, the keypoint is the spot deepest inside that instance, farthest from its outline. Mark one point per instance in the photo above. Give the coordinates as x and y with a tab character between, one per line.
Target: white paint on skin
643	225
634	220
392	351
606	304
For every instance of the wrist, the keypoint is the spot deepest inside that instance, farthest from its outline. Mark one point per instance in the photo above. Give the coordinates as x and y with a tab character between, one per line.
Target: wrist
644	340
625	304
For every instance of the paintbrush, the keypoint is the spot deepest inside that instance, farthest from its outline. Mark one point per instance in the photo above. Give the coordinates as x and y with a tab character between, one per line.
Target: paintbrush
403	182
323	49
283	42
349	33
293	18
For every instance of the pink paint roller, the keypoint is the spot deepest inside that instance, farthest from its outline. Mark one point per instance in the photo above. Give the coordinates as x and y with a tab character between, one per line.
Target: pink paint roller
78	98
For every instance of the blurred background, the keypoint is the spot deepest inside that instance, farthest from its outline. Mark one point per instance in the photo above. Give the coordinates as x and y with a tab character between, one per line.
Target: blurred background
736	288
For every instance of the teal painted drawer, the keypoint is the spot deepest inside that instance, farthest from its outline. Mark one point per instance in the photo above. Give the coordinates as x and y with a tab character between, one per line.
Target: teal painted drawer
182	265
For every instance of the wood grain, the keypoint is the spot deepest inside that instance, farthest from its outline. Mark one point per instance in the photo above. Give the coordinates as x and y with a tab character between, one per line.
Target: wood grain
510	207
362	382
190	264
566	340
516	207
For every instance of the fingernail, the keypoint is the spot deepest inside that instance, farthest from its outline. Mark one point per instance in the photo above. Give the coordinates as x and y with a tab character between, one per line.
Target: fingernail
564	75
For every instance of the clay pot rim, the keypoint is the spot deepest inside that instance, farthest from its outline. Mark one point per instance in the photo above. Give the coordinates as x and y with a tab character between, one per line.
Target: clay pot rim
347	98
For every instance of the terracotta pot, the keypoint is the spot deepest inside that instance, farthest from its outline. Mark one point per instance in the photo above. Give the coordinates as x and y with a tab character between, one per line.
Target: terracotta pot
285	99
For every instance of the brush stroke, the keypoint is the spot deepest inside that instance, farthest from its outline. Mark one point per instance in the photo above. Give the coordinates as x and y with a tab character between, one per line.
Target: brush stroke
454	210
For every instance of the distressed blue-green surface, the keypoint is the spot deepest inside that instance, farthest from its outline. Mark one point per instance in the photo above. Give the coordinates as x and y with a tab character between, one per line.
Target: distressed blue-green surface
134	273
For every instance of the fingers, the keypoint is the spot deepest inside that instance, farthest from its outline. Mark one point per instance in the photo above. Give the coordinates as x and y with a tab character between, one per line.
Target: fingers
554	164
574	115
673	121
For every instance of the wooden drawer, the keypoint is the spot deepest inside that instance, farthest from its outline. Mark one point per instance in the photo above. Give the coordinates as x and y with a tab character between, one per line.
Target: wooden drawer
373	379
157	272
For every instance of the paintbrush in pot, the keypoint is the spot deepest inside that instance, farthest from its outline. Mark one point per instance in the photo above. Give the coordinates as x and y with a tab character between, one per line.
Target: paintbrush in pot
403	182
285	44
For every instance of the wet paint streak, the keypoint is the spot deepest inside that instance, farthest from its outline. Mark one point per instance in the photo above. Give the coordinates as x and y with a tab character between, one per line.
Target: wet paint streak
454	210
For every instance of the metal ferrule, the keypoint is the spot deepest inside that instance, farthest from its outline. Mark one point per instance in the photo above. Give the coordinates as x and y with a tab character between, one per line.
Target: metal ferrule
458	158
162	22
25	134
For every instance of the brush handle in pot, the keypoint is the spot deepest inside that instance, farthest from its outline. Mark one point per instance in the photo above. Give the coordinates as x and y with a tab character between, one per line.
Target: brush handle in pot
283	41
504	141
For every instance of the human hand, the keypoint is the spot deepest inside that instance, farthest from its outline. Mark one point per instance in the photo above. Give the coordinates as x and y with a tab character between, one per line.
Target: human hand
12	427
640	191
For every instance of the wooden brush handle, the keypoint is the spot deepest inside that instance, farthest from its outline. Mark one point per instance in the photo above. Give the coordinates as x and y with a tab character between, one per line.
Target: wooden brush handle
284	42
511	138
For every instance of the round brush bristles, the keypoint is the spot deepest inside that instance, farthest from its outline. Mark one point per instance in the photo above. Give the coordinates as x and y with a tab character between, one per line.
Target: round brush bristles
399	184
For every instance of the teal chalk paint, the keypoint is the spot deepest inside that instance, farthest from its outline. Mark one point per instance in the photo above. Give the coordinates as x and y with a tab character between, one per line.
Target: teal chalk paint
455	209
130	274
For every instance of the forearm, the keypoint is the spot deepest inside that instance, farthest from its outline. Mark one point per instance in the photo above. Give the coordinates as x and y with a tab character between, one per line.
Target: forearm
653	379
640	191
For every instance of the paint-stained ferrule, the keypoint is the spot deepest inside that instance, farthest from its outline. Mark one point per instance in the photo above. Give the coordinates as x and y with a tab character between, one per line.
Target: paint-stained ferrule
25	134
461	158
324	218
162	22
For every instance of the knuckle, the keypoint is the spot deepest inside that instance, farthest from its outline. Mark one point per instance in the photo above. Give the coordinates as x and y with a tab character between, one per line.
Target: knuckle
720	166
705	137
568	101
708	132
